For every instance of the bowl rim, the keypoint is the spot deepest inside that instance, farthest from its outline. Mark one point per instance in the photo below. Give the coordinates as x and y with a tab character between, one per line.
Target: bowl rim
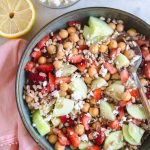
18	101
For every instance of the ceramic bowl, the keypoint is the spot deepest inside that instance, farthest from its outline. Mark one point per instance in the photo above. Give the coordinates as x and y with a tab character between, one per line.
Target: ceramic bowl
58	23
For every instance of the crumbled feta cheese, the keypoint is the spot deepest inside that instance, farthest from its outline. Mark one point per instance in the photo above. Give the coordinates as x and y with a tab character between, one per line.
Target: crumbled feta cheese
58	73
55	94
103	71
84	137
45	83
79	105
77	95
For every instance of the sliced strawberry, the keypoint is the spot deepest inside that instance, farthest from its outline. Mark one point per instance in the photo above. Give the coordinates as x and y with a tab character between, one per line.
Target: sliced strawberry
85	121
146	70
113	53
83	47
142	42
81	66
123	103
60	80
64	119
133	92
97	94
51	84
95	147
148	94
45	89
73	23
121	112
75	59
36	78
29	66
110	68
124	76
145	53
114	125
45	68
61	137
100	138
73	137
41	44
36	55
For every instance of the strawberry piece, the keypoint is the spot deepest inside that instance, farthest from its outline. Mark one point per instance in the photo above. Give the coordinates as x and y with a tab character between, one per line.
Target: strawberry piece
36	55
124	76
121	112
148	94
73	137
75	59
51	84
113	53
114	125
41	44
64	119
145	53
97	94
95	147
100	138
29	66
61	137
45	68
60	80
123	103
83	47
146	70
133	92
45	89
142	42
73	23
85	121
81	66
110	68
36	78
136	121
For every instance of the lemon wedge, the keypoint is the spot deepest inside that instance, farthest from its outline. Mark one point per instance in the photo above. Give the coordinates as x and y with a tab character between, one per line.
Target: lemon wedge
16	17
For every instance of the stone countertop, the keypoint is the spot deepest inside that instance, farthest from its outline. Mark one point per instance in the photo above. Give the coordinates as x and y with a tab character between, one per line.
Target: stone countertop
139	8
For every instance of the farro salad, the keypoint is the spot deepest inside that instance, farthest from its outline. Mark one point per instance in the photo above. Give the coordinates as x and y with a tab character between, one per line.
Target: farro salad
79	89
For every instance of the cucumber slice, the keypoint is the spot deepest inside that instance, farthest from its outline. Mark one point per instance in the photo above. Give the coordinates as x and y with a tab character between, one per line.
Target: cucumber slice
121	61
68	69
42	126
86	32
115	90
106	111
84	145
98	83
114	141
62	107
55	122
79	89
136	111
135	132
127	136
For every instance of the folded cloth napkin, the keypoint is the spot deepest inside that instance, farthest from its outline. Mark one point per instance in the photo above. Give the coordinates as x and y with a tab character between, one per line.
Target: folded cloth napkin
13	135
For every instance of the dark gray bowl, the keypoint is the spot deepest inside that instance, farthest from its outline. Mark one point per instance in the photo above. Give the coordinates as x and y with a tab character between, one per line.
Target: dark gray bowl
82	15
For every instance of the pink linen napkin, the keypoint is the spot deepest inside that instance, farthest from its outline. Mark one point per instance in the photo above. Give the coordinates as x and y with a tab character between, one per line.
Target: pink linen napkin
13	135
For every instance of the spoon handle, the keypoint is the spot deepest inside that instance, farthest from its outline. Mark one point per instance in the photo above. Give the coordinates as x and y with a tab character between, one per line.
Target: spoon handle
144	100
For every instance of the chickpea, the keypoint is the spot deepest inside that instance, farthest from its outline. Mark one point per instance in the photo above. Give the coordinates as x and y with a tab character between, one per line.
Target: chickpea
92	71
86	107
71	30
115	76
57	64
103	48
42	60
28	98
74	37
107	76
94	111
96	125
81	42
112	25
88	80
92	101
94	49
129	54
143	81
74	51
62	93
64	87
68	45
60	54
122	46
51	49
113	44
132	32
79	129
120	27
58	146
52	138
63	33
126	96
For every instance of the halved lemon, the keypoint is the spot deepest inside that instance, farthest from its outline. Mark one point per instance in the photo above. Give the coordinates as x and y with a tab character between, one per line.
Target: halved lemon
16	17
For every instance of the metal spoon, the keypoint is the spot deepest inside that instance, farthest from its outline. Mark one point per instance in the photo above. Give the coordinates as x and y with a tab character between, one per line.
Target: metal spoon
133	70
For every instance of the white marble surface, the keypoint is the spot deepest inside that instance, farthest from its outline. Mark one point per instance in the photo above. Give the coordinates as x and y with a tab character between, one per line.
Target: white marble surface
141	8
